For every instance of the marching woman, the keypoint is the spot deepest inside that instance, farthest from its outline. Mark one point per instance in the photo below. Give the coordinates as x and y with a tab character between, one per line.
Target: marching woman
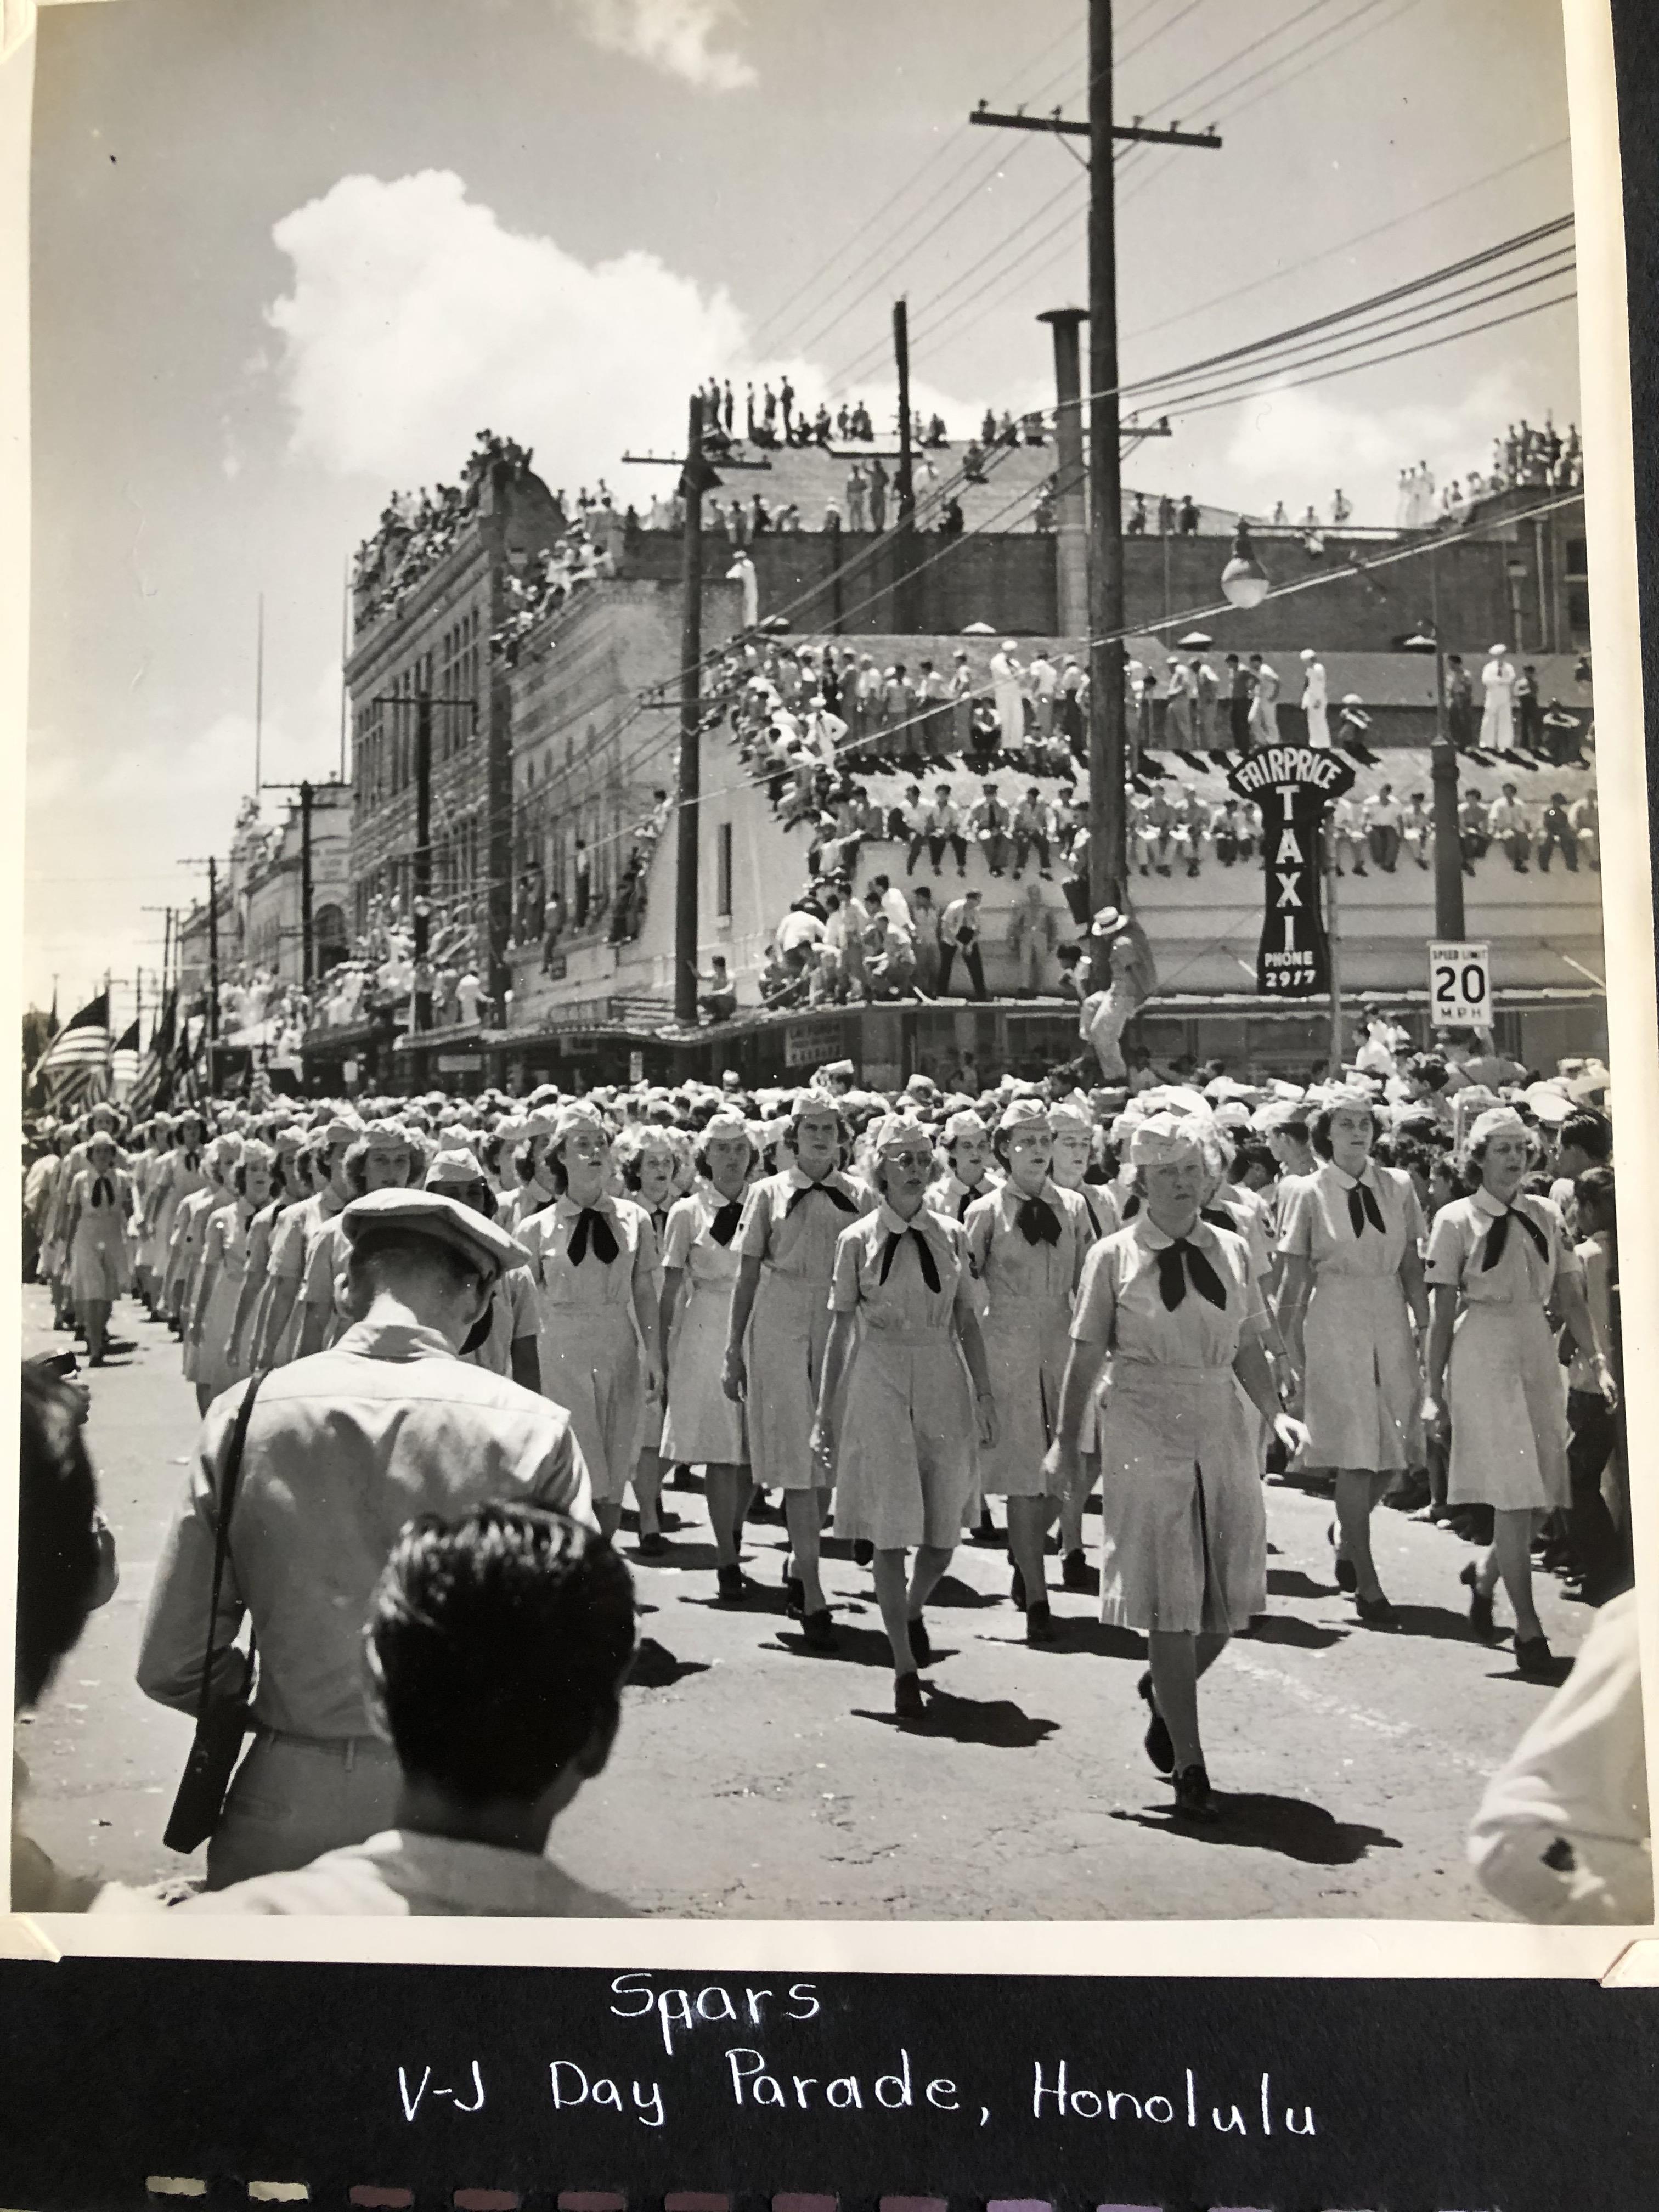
787	1252
1496	1259
1350	1236
291	1185
95	1241
1073	1122
1026	1246
966	1144
189	1229
224	1261
1171	1301
894	1416
179	1174
650	1161
532	1186
507	1340
594	1261
703	1426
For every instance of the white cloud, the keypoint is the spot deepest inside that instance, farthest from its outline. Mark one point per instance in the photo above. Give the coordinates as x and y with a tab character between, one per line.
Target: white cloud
1300	445
671	36
415	318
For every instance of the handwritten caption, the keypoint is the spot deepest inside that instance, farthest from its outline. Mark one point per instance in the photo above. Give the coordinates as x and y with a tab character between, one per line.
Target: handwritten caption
1059	2089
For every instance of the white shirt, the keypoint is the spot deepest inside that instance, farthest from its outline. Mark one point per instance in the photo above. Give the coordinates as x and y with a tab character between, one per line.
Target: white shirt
403	1873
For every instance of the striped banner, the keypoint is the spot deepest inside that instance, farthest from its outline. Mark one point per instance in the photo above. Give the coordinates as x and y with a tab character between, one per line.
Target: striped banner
75	1065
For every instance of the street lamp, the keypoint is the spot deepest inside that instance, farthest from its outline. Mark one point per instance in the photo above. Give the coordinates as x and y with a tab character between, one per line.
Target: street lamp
1244	581
1448	833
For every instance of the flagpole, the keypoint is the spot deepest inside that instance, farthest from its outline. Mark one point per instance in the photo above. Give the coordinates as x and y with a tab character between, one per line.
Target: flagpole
260	701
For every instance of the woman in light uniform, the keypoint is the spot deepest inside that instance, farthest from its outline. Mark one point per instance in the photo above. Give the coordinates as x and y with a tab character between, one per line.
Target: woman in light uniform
779	1327
224	1259
98	1264
650	1161
1026	1245
594	1261
703	1425
1350	1236
896	1418
1496	1259
1073	1122
1171	1301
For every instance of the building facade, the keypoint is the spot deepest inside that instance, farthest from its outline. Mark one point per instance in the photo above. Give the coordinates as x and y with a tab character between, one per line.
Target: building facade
273	934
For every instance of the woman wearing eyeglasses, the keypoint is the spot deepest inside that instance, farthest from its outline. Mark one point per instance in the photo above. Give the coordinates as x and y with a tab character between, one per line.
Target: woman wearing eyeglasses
896	1420
594	1259
1172	1301
1497	1259
1351	1235
1026	1243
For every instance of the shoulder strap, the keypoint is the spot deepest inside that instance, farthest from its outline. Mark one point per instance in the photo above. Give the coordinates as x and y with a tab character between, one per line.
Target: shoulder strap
229	1477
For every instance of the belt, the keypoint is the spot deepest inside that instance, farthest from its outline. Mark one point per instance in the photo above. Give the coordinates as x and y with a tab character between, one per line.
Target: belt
347	1749
874	1333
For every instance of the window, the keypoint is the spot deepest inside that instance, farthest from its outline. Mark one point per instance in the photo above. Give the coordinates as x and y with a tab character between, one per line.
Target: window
1576	582
723	872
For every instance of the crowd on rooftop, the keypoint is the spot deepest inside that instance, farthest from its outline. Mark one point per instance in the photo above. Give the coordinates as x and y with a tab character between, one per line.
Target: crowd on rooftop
417	529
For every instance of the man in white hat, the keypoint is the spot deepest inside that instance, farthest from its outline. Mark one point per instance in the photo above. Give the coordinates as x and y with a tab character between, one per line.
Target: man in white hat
342	1451
1498	722
1316	698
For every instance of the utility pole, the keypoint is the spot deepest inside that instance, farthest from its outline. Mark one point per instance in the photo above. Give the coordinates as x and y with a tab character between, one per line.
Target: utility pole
690	775
308	792
259	699
212	866
422	899
904	534
1108	735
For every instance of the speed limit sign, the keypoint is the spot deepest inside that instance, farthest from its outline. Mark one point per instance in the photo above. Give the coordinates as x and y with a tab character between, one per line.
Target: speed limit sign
1460	986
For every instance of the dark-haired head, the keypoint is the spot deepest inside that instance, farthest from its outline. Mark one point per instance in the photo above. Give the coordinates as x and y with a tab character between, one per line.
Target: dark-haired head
497	1646
60	1558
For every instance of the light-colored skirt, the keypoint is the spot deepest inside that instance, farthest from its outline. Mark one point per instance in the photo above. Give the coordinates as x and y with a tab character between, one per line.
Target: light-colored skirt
1508	1417
213	1369
784	1358
703	1423
591	1366
904	1470
1025	1350
99	1270
1362	1389
1184	1532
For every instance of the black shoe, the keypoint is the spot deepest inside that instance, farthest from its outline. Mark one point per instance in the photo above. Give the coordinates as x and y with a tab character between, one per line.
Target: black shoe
818	1631
1375	1612
1535	1658
864	1552
652	1545
987	1531
733	1585
907	1698
921	1648
1074	1571
1017	1588
1039	1626
1480	1619
794	1596
1193	1798
1159	1749
1347	1577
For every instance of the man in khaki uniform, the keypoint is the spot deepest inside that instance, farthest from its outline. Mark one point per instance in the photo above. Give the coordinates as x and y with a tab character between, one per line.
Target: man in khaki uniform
344	1450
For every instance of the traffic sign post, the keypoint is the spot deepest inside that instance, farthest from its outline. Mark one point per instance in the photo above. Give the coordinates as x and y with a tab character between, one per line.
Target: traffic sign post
1460	986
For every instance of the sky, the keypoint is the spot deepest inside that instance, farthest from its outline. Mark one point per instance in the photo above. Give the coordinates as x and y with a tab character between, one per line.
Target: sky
288	255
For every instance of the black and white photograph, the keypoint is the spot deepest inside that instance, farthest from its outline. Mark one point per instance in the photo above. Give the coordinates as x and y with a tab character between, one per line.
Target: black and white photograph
825	1029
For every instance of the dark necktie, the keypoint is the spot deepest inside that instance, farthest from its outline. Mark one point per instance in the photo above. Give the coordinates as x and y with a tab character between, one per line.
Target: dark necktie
1038	1222
965	1201
929	1265
1219	1217
1173	1277
192	1160
1130	1206
838	1198
724	1226
1497	1238
592	1226
1363	1207
103	1191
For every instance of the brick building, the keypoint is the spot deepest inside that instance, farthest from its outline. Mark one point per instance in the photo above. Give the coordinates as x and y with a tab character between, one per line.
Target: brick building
431	638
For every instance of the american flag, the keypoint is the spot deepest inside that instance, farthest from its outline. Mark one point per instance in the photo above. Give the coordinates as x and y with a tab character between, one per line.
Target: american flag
74	1067
152	1083
124	1062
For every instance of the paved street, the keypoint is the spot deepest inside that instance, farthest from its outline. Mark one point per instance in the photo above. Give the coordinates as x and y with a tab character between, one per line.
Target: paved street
755	1778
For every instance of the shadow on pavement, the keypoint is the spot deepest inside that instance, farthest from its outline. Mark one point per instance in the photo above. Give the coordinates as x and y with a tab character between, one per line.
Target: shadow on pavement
994	1722
1290	1582
655	1667
1095	1635
951	1590
678	1558
1292	1826
1285	1628
864	1647
1433	1620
